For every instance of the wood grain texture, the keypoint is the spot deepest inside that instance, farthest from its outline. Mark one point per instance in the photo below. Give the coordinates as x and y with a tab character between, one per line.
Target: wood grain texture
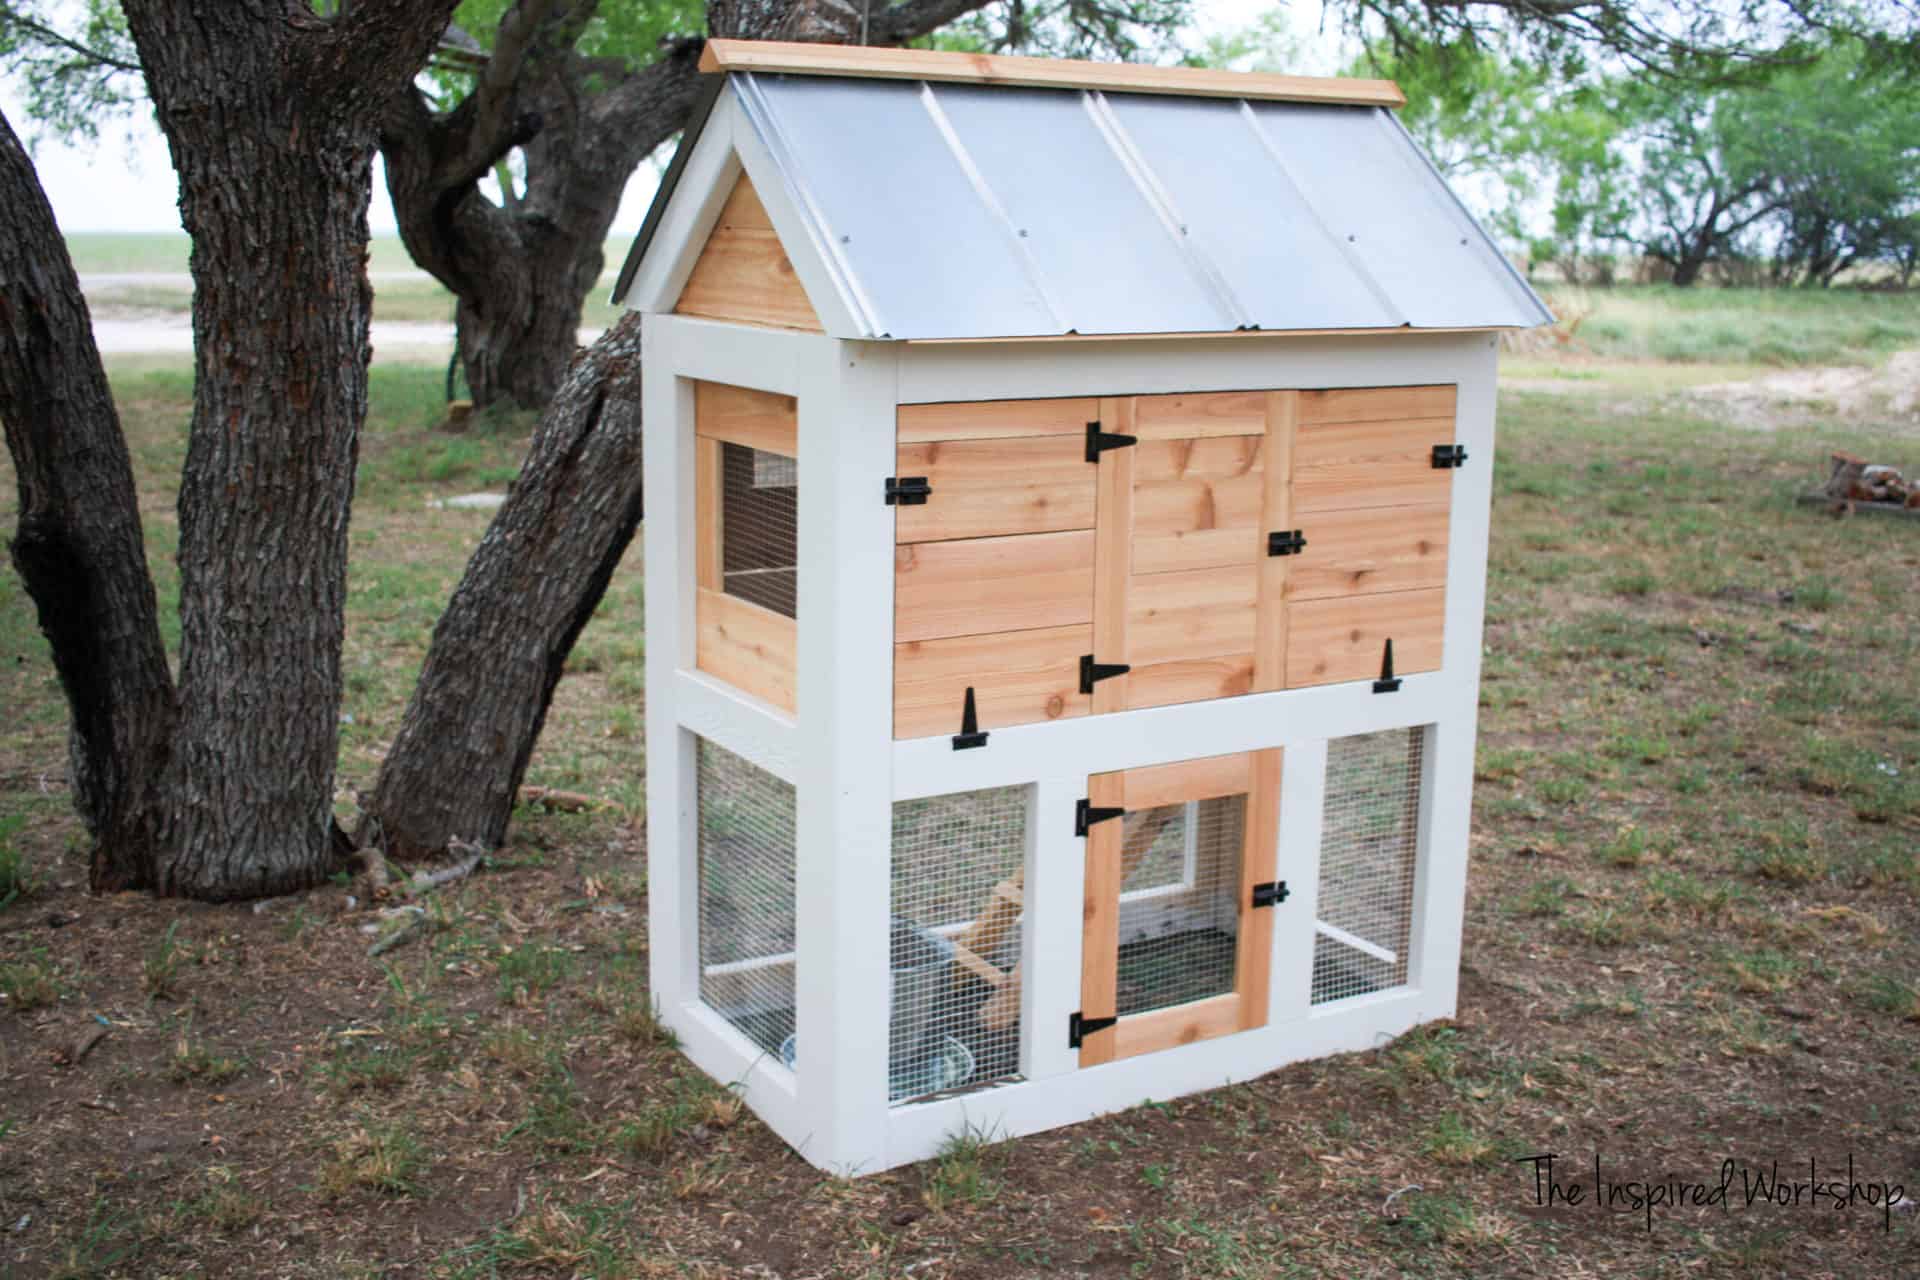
1197	503
1051	73
1171	1028
1371	550
743	274
1100	925
1190	680
1253	948
1018	677
1341	638
751	648
1113	557
1186	417
1338	465
741	415
992	488
707	514
1377	404
1184	780
995	419
1276	515
1199	613
977	585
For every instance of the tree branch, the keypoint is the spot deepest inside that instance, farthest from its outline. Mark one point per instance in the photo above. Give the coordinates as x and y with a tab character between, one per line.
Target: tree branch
10	16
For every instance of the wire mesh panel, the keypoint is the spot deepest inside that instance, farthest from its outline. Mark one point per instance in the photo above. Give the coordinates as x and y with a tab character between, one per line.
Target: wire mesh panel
759	527
746	853
1368	855
958	914
1179	903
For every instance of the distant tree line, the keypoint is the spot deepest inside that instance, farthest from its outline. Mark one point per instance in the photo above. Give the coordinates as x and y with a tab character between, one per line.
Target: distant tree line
1789	173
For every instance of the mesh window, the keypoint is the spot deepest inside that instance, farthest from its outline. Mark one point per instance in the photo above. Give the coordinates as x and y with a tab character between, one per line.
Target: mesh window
746	897
1368	845
759	527
959	868
1179	903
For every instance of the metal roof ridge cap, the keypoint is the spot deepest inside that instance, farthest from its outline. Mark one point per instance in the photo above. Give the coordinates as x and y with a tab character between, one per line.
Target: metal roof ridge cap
760	114
1342	247
1148	183
1453	197
1029	266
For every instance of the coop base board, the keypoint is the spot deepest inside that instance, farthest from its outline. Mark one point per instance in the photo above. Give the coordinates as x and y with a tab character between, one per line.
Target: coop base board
917	1131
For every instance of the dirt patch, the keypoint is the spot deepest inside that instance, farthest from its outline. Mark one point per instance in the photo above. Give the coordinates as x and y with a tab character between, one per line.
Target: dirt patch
1889	393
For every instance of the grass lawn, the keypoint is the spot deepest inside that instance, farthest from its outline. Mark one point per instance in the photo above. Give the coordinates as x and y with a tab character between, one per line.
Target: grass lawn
1692	934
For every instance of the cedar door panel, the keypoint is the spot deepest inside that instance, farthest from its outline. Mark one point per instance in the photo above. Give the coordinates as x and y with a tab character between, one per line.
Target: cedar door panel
1181	541
1173	948
1375	512
993	573
1371	447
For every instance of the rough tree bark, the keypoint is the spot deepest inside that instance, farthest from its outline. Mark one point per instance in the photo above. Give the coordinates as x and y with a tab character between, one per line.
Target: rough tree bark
522	270
534	582
271	114
78	547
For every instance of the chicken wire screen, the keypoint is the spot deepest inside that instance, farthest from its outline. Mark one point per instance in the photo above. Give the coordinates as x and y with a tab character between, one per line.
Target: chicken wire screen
759	527
746	897
1179	903
1369	846
957	916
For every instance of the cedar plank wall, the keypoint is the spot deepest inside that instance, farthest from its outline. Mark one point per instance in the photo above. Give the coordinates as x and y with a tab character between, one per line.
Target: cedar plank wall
1026	557
743	274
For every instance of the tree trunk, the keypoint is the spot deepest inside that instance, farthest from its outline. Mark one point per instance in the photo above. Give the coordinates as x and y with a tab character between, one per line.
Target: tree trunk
502	643
522	271
79	547
270	113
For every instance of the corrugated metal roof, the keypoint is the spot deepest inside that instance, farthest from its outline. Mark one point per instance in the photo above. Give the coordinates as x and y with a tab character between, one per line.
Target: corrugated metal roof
960	211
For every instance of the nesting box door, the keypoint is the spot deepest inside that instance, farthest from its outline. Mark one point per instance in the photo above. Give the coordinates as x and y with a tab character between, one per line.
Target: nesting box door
1179	904
1061	557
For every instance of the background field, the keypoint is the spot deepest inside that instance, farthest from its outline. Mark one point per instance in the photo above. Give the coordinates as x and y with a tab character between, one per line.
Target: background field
1692	928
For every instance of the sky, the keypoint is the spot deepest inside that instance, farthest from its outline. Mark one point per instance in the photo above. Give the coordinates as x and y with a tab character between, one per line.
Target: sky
125	181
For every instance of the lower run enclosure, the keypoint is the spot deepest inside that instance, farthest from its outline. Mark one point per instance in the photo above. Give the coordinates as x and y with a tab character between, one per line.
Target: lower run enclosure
1066	555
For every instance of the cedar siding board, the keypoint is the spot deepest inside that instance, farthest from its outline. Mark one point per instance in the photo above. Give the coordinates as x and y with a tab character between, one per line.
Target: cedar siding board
743	274
1026	557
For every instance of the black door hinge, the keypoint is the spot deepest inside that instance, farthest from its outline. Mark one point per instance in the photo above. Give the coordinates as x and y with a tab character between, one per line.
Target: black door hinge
1388	682
907	491
1078	1028
1449	455
1098	441
1286	543
1085	815
1092	673
970	734
1267	895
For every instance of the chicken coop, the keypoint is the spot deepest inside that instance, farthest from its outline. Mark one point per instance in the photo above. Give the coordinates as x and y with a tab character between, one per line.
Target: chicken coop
1067	491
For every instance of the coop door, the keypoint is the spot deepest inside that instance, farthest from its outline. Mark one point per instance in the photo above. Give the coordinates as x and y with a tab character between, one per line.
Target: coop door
1187	484
1179	903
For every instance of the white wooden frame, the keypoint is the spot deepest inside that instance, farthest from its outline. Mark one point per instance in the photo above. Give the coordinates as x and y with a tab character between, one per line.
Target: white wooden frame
848	771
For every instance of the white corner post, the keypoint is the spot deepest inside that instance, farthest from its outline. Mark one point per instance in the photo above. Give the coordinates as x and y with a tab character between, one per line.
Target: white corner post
844	775
1446	783
673	890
